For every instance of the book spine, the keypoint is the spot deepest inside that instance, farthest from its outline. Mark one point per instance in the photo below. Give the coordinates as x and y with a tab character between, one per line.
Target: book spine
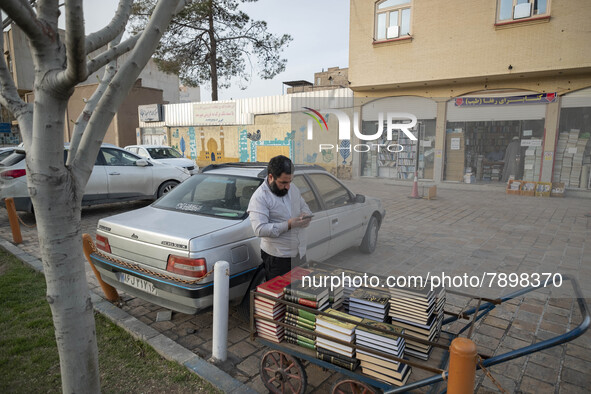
336	355
337	361
309	336
299	343
302	313
299	324
301	301
299	338
302	294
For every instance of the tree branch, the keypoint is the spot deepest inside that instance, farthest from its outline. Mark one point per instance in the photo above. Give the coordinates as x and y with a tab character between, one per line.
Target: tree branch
112	53
117	25
24	16
91	104
76	70
120	85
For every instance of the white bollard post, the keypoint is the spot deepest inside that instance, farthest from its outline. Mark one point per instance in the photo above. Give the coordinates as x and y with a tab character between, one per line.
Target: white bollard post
221	289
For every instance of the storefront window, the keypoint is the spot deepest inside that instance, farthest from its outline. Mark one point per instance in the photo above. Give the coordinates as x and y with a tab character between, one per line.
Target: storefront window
492	151
572	162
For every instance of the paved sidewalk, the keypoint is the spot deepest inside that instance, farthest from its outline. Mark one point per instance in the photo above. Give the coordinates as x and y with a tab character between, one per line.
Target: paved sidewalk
462	231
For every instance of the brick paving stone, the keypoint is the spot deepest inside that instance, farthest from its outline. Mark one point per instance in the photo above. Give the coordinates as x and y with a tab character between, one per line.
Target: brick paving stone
531	385
191	342
506	383
578	351
542	359
577	364
316	375
497	322
554	318
490	331
237	335
242	349
535	309
257	385
524	335
524	325
162	325
514	343
250	366
574	377
567	388
541	372
552	327
513	371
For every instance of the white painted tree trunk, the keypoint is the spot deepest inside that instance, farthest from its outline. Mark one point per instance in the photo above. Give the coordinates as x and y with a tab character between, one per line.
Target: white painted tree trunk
56	189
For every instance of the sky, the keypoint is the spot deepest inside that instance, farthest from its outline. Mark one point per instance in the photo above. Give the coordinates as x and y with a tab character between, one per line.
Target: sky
319	28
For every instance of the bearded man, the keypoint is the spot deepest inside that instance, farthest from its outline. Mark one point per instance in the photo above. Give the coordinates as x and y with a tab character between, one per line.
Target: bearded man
278	215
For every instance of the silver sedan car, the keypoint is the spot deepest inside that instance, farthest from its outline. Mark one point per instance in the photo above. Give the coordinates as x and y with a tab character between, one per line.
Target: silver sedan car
163	253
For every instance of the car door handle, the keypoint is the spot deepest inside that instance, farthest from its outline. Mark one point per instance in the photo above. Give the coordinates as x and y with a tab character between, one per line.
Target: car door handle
335	221
114	173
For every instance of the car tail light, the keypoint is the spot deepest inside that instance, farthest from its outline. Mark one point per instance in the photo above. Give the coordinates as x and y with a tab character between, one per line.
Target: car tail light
102	243
195	268
12	174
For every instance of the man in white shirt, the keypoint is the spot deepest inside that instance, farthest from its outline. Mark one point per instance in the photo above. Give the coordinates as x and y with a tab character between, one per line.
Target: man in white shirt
279	214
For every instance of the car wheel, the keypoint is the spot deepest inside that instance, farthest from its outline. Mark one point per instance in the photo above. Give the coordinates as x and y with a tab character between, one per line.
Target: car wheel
166	187
370	240
244	307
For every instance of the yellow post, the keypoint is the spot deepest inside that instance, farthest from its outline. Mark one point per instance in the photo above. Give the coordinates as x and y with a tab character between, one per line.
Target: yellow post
462	366
88	247
13	220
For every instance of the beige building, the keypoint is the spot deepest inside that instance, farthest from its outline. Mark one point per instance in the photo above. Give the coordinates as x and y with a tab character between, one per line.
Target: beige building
332	78
476	75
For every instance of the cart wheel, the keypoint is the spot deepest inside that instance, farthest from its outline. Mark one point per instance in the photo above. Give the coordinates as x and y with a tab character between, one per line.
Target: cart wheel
348	386
282	373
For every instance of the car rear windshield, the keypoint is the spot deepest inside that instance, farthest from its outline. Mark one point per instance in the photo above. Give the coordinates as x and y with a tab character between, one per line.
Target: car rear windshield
164	153
12	159
210	194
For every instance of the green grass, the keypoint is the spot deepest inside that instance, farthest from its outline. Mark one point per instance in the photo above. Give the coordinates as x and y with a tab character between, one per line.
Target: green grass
28	353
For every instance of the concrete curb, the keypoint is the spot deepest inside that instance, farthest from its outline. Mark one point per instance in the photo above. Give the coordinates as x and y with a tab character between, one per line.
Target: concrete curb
163	345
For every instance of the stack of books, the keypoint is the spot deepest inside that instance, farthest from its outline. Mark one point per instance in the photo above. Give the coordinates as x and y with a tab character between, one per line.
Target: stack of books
370	303
334	327
336	294
559	158
380	367
420	312
270	309
348	288
311	297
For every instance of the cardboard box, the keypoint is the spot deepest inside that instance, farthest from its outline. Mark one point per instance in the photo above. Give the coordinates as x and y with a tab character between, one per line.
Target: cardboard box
514	187
557	189
543	189
528	188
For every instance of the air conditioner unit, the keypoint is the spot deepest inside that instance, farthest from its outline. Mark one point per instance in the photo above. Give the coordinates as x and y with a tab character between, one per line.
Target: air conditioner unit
392	32
522	10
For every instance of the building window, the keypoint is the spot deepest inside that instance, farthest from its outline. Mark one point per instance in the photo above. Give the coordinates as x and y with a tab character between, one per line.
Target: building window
509	10
392	19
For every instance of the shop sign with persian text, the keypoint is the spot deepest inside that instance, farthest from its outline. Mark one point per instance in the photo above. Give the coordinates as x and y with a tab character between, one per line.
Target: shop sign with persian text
542	98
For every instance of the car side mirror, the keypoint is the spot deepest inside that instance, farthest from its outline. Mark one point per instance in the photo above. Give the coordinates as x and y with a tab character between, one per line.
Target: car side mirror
142	163
359	198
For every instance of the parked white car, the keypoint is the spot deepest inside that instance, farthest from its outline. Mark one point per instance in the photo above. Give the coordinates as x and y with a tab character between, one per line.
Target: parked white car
161	253
118	175
164	154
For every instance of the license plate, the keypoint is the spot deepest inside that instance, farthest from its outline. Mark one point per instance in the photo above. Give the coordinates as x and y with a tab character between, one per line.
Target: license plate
138	283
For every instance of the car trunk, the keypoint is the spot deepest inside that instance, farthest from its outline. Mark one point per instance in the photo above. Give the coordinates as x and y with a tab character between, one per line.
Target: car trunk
149	235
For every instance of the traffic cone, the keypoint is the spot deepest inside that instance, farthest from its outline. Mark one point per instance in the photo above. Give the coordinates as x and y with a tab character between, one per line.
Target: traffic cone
415	188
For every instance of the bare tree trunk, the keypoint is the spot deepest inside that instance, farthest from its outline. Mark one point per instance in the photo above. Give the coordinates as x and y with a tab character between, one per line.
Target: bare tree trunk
57	209
213	56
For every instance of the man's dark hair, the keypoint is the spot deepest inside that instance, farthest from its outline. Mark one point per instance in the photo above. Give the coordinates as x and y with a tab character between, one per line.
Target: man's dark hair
280	165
